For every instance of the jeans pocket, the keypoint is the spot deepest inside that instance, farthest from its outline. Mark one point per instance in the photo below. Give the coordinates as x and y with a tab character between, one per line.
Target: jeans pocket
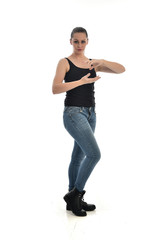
73	109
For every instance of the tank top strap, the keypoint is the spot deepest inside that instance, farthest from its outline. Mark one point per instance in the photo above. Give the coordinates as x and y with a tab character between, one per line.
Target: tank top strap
70	62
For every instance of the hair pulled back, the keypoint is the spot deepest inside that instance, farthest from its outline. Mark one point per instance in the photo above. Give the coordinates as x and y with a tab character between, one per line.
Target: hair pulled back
79	30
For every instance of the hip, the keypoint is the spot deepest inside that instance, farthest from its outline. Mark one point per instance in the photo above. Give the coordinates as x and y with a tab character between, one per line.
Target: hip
79	116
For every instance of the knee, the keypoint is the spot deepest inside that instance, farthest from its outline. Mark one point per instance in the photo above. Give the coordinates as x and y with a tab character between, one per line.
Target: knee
96	154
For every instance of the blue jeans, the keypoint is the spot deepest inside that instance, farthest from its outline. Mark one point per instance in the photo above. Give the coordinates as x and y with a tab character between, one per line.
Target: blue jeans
80	122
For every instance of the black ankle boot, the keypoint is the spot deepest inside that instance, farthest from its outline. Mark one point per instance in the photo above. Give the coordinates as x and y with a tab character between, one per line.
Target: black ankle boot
85	206
74	199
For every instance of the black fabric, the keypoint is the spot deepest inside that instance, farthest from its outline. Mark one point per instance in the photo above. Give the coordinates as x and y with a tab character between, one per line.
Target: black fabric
82	96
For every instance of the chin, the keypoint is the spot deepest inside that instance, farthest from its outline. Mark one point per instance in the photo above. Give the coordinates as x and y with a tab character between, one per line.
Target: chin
80	51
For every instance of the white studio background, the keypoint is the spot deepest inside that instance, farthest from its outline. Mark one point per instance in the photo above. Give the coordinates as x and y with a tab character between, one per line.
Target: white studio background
35	147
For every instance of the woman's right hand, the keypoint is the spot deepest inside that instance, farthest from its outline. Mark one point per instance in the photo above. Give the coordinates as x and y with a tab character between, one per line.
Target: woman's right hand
86	79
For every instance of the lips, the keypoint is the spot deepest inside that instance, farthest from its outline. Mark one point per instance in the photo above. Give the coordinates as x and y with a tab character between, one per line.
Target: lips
80	49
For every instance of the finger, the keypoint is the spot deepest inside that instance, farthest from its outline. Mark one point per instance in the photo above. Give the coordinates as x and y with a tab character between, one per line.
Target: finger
88	74
91	68
88	61
92	62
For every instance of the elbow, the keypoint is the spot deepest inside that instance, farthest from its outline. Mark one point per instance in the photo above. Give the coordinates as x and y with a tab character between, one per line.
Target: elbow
54	90
121	70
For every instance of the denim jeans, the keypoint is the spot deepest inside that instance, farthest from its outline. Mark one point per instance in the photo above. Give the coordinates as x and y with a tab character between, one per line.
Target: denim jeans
80	122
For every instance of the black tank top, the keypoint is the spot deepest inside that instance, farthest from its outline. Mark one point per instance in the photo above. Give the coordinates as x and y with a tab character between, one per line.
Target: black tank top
82	96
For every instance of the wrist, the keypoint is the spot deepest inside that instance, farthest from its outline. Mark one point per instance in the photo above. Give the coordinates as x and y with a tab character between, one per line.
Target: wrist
81	81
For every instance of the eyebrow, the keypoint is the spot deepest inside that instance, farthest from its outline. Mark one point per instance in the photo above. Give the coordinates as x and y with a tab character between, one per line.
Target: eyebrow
81	40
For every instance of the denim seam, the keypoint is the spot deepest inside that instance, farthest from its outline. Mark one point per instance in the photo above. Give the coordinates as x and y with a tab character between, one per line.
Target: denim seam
83	135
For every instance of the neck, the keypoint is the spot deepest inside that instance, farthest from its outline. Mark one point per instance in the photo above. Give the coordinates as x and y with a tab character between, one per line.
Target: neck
78	56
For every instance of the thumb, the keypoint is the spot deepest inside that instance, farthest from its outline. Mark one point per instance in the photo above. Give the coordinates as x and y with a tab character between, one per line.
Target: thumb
88	75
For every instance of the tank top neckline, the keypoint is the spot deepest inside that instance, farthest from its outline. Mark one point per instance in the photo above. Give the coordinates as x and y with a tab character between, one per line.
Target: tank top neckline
76	66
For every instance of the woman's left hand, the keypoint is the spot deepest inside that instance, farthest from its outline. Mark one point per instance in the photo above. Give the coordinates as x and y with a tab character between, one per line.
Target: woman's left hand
94	63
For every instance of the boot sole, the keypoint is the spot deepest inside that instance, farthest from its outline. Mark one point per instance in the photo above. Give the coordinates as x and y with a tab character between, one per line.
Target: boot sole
68	208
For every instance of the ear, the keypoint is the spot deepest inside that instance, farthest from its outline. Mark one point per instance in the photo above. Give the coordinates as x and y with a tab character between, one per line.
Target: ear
71	41
87	40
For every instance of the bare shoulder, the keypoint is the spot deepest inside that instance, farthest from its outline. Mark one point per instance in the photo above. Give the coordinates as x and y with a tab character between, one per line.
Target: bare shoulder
63	63
61	70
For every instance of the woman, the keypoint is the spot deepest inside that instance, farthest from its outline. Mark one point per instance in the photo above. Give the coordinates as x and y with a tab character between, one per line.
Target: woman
79	116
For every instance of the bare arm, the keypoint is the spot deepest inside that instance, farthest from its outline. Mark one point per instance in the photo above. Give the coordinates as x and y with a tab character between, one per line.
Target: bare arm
59	86
112	67
102	65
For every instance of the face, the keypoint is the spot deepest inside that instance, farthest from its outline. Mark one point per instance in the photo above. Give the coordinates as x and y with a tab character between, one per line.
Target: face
79	42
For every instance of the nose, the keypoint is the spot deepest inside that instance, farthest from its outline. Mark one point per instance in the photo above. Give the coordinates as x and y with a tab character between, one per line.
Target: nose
79	45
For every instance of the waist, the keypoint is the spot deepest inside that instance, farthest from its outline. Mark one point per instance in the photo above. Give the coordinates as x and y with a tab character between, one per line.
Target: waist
87	110
82	108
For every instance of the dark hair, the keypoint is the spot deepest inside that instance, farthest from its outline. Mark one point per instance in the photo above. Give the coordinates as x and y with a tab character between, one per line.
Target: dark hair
79	30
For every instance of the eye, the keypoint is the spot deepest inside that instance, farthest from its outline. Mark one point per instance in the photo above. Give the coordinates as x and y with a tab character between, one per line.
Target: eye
83	41
75	41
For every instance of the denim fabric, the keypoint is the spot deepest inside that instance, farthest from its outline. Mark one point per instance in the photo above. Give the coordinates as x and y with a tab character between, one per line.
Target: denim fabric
80	122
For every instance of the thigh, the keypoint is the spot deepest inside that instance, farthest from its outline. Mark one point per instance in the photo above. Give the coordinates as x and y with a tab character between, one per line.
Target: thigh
92	120
79	127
